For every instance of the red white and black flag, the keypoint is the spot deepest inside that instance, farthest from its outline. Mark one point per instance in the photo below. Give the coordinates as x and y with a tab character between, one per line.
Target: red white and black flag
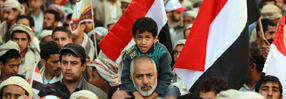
37	83
121	34
276	59
218	43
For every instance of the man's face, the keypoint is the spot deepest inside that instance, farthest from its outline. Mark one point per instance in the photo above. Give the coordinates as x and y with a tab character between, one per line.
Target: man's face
144	41
270	33
12	92
270	90
95	79
110	27
188	20
53	65
124	6
176	16
58	2
72	68
10	15
35	4
269	3
279	3
11	67
207	95
89	26
187	32
22	40
144	78
49	21
27	9
177	52
61	38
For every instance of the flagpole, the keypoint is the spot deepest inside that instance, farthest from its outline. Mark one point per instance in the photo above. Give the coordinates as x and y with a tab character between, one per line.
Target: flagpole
94	36
261	30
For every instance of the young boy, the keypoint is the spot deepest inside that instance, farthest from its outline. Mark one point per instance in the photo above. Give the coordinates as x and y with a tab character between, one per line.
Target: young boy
144	32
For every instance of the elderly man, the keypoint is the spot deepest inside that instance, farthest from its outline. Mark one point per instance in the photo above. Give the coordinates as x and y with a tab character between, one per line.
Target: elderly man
103	73
10	60
11	10
14	87
22	34
189	17
73	61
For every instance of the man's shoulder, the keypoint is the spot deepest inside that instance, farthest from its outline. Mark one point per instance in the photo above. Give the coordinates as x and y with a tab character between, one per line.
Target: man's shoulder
99	92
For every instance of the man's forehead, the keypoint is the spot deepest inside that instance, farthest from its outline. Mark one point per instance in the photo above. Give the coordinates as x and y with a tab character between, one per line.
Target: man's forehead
271	84
20	34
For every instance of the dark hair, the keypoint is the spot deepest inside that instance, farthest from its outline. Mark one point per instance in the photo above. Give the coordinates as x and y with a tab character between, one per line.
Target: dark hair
213	84
265	23
24	1
69	16
48	49
267	79
69	52
63	29
55	13
269	1
144	24
255	56
31	20
12	53
20	31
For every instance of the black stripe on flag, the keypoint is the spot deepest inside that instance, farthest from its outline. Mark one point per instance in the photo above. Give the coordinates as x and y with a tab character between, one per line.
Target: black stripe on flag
165	38
40	87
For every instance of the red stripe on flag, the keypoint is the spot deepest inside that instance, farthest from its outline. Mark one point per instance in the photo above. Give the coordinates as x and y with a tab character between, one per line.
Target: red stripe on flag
121	34
279	37
193	55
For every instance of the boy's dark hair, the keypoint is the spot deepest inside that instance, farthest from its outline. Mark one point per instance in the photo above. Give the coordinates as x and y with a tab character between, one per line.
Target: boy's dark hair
63	29
69	52
69	16
255	56
55	13
265	23
20	31
144	24
212	84
48	49
31	20
267	79
12	53
24	1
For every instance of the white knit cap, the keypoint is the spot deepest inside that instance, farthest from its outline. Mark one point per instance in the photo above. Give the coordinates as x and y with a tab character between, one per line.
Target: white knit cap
85	94
15	80
7	46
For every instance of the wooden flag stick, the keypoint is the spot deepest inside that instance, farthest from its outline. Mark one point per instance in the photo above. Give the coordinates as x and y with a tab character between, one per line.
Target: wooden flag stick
94	36
261	30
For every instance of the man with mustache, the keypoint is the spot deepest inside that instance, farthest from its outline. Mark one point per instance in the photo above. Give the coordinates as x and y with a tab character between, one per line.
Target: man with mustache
73	63
50	58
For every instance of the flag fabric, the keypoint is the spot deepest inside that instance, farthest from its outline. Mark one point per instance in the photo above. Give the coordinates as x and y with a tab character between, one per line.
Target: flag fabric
121	34
37	83
82	12
218	43
275	64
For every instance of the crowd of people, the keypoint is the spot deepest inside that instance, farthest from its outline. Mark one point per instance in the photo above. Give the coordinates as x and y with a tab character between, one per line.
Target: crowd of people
72	65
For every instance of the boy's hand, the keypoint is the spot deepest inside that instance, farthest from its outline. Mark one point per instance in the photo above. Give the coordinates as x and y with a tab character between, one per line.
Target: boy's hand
120	95
154	95
137	95
265	47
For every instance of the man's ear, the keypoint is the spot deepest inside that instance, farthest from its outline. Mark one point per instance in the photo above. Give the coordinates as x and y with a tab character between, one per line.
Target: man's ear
1	65
56	23
43	62
281	96
252	67
155	39
84	66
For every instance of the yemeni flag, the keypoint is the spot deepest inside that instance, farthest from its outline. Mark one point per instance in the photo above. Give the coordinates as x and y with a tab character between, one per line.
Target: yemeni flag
82	13
275	64
37	83
121	34
218	43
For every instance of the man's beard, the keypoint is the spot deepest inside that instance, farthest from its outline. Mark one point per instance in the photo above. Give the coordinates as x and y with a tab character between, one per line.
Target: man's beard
145	93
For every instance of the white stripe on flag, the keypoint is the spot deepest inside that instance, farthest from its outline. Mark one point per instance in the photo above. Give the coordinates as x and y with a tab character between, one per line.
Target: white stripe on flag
157	13
223	32
275	65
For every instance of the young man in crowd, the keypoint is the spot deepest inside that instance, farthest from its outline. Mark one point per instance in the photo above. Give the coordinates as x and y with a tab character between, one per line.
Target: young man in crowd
144	32
10	60
62	36
50	54
51	19
270	87
210	87
22	35
73	63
